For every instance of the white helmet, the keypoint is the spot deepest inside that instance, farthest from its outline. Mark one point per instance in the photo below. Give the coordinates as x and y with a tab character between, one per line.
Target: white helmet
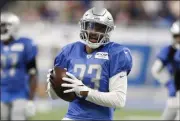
175	28
102	21
175	31
9	25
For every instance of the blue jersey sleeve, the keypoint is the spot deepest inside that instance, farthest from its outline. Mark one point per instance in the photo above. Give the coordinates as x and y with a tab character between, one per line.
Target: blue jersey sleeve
120	61
31	50
163	55
61	59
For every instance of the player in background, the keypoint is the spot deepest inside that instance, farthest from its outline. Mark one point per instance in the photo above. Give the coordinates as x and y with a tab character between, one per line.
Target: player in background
97	68
166	70
18	71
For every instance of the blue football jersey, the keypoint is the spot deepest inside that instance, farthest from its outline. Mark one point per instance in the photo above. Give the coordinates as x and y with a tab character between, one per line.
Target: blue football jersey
94	70
14	76
171	65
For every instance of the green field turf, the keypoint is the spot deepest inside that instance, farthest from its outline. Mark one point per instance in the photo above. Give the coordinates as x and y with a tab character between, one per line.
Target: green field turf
58	114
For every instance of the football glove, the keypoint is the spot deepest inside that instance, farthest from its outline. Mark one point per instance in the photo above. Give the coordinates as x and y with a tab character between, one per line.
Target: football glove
76	85
50	76
50	90
30	109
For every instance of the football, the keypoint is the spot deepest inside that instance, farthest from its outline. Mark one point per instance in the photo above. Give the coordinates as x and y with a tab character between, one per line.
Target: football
58	74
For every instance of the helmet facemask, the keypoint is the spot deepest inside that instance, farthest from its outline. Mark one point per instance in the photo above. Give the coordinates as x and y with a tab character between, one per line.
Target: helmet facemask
175	31
94	34
176	38
6	30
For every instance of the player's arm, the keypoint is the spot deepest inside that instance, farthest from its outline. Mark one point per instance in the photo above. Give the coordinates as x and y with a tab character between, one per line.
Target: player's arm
31	68
116	97
30	55
32	71
160	72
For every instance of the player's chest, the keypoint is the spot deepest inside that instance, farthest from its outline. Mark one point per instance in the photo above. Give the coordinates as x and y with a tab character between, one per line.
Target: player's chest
11	55
92	69
89	62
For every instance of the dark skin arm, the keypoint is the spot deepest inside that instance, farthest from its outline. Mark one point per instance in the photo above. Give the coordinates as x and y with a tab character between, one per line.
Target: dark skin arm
84	93
33	86
31	68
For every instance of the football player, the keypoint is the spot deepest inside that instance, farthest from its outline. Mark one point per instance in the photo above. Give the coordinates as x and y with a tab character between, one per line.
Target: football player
18	71
166	70
97	69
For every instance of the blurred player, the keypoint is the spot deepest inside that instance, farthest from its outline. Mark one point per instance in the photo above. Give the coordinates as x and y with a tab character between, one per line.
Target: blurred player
18	71
97	69
166	69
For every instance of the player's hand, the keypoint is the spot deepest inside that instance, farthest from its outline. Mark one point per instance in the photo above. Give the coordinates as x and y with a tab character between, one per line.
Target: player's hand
50	76
49	90
30	109
76	85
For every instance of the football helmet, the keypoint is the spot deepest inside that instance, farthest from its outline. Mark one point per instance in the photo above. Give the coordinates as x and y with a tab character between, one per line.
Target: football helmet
9	25
96	26
175	28
175	31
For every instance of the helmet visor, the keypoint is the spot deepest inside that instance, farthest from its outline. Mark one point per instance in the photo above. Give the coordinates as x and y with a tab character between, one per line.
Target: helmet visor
95	31
95	27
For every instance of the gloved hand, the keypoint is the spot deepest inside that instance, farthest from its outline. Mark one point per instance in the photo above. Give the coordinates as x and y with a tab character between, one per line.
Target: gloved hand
30	108
76	85
49	90
50	76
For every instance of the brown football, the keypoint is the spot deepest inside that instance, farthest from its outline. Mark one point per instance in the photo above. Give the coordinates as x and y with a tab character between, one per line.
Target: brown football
59	73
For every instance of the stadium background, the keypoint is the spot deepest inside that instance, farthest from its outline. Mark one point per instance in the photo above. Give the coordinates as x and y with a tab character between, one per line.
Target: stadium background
141	25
